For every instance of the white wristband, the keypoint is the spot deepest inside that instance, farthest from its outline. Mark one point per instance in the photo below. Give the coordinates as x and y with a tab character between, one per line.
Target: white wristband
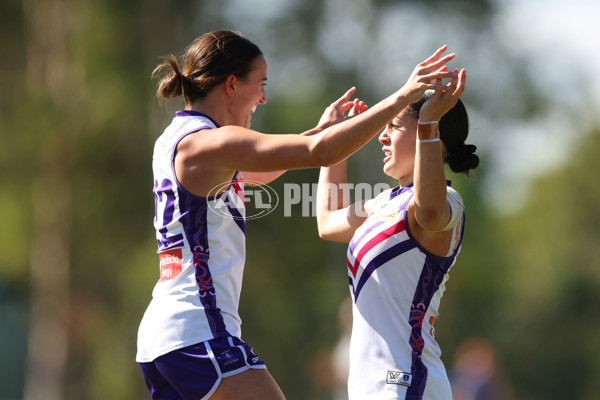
428	140
427	122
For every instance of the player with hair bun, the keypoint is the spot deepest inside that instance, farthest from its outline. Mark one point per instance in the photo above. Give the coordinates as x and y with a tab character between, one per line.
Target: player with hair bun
402	245
189	341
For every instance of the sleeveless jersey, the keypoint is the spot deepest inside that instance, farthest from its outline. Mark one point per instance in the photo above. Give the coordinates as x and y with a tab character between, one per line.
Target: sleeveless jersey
396	286
202	250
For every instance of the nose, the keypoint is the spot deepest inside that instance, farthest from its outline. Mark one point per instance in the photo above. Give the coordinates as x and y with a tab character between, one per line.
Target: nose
384	137
263	99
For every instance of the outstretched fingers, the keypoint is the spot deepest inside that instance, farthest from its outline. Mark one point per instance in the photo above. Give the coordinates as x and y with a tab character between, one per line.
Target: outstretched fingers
461	82
435	65
434	70
337	110
358	107
436	61
345	98
435	82
436	56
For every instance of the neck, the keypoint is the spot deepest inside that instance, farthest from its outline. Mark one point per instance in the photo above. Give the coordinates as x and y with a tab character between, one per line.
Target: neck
212	106
406	180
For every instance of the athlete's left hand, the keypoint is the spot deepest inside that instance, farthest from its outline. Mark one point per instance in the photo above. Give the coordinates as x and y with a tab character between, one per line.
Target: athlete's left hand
441	102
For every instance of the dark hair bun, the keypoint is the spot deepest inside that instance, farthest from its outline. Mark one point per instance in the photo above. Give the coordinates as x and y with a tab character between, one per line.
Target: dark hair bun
463	159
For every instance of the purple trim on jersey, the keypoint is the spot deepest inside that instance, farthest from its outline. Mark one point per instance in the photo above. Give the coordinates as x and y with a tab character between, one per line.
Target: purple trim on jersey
354	242
188	113
378	261
419	371
194	214
192	113
432	275
163	192
174	149
399	190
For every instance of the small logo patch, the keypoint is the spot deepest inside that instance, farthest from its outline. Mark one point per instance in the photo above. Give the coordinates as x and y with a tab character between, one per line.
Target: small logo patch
228	357
388	217
399	378
170	264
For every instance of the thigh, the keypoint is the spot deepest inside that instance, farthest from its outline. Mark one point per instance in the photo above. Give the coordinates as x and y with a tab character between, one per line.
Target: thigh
252	384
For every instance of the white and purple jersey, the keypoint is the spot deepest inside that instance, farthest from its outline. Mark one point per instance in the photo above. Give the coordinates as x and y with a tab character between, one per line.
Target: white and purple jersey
202	250
396	286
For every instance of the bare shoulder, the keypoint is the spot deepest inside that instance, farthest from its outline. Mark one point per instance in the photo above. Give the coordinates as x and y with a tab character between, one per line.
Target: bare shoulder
196	170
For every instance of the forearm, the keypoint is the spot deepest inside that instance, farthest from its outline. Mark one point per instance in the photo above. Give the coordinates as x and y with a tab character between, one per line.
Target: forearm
431	208
343	139
332	191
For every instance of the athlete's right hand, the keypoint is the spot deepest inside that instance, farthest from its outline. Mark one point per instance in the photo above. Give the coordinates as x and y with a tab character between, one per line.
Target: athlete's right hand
335	112
428	75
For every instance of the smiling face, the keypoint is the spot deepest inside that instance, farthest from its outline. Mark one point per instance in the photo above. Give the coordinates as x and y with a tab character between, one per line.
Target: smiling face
250	92
398	140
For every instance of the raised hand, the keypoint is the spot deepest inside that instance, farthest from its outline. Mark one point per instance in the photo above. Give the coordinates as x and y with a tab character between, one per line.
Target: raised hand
335	112
428	75
443	100
358	107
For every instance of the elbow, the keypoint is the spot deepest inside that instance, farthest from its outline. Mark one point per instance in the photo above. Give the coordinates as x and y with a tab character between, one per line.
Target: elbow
321	229
329	236
429	218
324	233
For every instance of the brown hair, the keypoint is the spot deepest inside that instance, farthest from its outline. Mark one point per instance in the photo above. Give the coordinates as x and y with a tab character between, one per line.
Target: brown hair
207	62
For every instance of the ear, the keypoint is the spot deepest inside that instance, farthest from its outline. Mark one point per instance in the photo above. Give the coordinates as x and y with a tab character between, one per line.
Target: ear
230	84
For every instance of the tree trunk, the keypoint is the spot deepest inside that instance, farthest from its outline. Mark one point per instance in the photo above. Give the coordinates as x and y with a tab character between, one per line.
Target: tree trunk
46	72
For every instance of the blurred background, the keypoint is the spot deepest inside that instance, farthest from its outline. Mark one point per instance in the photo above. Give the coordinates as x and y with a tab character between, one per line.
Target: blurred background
78	119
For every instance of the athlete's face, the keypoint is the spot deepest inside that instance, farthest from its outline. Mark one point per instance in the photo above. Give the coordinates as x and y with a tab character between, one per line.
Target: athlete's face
398	140
250	92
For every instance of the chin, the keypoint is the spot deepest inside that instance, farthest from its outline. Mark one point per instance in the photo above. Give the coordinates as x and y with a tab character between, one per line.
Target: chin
388	172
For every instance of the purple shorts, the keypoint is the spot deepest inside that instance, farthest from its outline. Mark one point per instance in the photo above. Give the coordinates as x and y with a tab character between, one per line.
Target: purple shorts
194	372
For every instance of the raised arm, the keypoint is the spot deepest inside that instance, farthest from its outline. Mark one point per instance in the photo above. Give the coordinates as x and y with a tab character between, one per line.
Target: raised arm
333	114
337	219
431	209
209	157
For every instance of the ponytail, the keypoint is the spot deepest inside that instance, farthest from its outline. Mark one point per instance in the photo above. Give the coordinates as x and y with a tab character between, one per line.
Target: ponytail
171	85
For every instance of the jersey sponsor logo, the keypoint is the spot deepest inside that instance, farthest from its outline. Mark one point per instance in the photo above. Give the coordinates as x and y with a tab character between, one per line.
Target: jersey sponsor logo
388	217
170	264
399	378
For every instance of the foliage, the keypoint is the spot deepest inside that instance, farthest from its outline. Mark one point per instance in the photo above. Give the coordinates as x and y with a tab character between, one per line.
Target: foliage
551	290
527	282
